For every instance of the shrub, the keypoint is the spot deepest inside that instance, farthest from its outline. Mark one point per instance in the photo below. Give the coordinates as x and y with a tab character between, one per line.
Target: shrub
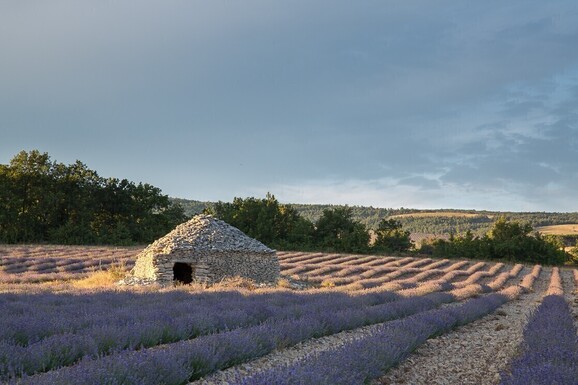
507	240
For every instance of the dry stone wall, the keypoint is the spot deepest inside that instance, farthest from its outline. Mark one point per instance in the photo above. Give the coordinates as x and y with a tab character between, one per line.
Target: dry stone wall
214	250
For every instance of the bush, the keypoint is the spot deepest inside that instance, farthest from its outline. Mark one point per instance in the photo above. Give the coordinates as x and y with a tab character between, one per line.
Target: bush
512	241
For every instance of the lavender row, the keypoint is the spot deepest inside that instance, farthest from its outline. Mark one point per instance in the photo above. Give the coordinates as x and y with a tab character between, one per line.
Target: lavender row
66	349
138	327
35	317
67	313
87	328
373	282
189	360
163	326
550	346
76	312
416	282
109	337
370	356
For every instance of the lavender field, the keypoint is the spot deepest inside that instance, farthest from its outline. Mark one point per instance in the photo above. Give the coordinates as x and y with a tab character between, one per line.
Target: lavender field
333	319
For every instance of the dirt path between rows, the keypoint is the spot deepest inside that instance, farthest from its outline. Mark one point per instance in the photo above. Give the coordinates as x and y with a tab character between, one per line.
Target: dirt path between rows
515	314
473	354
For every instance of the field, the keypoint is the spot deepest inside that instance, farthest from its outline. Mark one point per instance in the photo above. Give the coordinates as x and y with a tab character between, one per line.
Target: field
568	229
447	214
333	319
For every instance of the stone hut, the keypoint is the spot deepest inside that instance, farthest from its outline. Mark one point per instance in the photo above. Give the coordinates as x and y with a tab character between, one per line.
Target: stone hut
205	249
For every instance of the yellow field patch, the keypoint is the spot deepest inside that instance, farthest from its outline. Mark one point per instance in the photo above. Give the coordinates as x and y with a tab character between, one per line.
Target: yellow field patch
440	214
568	229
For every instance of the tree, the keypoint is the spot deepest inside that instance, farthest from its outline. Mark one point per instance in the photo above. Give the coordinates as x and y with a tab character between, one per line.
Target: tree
32	195
510	240
574	253
9	205
266	220
336	230
504	230
46	201
391	237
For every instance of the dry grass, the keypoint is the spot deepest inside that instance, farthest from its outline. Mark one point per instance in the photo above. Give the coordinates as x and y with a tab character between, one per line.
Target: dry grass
568	229
284	283
102	278
99	278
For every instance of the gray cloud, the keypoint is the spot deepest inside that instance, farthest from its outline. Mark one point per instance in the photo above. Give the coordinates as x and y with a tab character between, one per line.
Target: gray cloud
440	99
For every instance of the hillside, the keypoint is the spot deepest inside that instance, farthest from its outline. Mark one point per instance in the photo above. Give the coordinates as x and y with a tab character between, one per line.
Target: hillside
441	221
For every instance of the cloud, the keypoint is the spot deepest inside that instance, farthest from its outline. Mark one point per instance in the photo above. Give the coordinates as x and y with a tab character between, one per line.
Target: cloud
392	193
447	104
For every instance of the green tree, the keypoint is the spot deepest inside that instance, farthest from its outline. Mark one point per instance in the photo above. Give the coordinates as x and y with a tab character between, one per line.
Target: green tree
504	230
335	230
45	201
77	187
391	237
266	220
300	234
9	207
32	195
510	240
574	254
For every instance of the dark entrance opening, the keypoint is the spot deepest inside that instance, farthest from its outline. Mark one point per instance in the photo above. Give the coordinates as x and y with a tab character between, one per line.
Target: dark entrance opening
183	272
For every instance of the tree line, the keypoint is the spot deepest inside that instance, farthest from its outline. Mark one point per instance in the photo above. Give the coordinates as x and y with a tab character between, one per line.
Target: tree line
281	226
477	222
43	201
507	240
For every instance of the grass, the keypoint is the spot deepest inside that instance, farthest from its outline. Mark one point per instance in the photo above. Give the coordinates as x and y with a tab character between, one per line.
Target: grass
102	278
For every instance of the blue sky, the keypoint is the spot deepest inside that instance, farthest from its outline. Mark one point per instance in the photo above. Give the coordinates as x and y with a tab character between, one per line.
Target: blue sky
445	104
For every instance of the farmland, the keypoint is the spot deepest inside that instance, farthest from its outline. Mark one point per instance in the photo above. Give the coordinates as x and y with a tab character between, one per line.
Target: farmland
34	264
333	319
567	229
440	214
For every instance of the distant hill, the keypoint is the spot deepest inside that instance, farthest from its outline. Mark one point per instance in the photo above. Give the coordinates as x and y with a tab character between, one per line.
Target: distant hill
440	222
191	207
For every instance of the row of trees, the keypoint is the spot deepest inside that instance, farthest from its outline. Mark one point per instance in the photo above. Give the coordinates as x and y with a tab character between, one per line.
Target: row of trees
281	226
513	241
447	224
435	222
45	201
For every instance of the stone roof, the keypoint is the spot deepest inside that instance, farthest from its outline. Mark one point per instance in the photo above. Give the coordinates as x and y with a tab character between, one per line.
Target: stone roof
206	233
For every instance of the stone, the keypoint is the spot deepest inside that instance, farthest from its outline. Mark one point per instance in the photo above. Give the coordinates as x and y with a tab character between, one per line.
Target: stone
209	250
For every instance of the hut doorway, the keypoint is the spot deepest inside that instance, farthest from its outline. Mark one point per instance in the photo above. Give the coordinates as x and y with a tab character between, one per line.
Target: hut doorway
183	273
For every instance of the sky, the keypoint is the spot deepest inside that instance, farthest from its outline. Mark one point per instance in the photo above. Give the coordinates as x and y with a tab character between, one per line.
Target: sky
419	104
